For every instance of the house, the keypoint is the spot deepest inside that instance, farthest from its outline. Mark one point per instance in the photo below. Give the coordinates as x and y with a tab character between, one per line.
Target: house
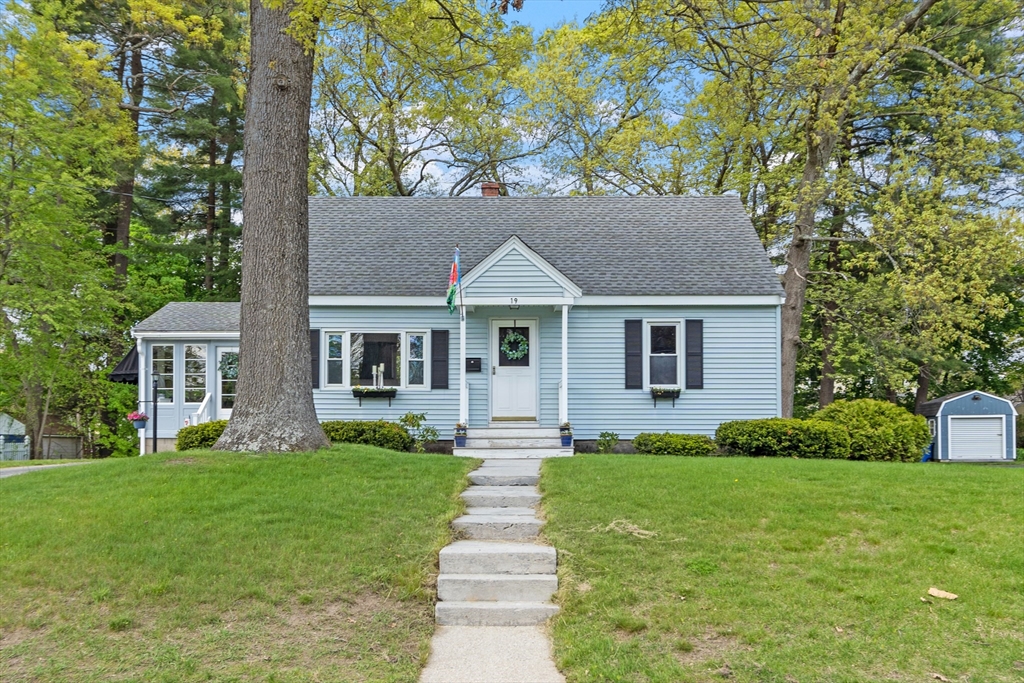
13	442
570	309
971	426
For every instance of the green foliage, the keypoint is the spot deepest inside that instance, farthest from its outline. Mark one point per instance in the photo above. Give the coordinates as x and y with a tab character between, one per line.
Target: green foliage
673	444
607	441
422	435
380	433
879	430
200	436
783	438
1020	431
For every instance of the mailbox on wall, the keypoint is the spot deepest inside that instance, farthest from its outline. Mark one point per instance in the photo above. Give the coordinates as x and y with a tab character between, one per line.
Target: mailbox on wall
473	365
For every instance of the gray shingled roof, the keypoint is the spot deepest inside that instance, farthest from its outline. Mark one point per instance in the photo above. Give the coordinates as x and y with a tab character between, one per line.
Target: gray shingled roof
189	316
612	246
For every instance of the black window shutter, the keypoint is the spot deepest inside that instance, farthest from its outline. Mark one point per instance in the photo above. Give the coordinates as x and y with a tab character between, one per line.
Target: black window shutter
439	359
634	354
314	352
694	354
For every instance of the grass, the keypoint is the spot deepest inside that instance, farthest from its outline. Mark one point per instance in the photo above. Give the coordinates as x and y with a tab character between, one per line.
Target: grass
33	463
713	569
227	567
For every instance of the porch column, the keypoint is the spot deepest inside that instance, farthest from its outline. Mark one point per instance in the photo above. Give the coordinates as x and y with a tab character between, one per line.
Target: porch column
563	386
463	389
142	393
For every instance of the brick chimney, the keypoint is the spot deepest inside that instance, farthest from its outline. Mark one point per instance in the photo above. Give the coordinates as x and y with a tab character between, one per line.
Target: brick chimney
490	189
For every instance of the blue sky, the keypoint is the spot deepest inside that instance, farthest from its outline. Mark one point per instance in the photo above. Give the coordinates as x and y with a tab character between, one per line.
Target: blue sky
545	14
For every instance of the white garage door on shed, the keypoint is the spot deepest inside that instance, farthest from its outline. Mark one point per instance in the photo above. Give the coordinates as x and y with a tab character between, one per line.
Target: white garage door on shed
976	438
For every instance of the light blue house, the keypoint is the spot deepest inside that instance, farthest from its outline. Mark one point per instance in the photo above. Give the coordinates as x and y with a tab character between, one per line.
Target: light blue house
571	309
971	426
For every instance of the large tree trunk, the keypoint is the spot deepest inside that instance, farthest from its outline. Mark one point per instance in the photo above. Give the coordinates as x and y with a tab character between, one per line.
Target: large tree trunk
274	406
924	381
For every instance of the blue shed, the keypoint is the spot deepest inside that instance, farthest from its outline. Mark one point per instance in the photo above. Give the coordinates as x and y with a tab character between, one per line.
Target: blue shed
971	426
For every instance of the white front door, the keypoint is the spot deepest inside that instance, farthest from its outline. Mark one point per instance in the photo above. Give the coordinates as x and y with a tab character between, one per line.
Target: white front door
514	347
227	380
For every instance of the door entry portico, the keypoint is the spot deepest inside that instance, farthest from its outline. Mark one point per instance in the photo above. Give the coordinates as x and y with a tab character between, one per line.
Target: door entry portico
514	363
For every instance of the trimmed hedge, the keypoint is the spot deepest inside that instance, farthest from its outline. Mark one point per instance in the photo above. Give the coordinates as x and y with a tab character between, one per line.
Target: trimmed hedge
673	444
200	436
380	433
782	438
879	430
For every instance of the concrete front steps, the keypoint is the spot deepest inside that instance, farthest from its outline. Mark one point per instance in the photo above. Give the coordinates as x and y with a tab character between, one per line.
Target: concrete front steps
496	577
513	443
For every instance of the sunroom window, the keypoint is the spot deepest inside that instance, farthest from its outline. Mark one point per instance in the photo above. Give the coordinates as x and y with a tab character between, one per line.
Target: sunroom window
163	372
195	373
663	369
375	355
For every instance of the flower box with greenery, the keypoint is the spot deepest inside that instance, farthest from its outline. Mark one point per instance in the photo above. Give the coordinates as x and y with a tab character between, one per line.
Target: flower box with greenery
665	392
460	435
566	432
138	419
362	392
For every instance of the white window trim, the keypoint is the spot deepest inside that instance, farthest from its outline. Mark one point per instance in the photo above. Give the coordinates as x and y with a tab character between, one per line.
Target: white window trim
680	326
206	373
403	338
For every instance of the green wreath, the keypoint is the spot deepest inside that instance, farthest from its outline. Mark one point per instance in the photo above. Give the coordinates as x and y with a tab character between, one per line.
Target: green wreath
519	350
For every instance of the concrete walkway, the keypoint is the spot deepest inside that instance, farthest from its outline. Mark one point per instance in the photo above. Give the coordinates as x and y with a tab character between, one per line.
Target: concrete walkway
495	586
12	471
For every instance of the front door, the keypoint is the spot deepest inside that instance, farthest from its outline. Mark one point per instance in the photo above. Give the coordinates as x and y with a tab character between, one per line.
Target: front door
514	348
227	380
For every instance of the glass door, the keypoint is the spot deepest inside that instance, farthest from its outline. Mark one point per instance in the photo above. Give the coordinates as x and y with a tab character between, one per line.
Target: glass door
227	379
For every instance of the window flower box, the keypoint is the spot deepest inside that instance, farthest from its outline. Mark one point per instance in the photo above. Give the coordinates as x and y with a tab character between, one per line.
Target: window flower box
665	392
374	392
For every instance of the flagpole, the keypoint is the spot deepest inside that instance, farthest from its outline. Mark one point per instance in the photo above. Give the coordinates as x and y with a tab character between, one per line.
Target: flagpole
458	275
463	387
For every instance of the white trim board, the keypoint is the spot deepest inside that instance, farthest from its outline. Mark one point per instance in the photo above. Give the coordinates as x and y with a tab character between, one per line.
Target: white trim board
439	301
185	336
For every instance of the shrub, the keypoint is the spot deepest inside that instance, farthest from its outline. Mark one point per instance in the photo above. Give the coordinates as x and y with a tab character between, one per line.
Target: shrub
607	441
202	435
673	444
879	430
422	435
380	433
777	437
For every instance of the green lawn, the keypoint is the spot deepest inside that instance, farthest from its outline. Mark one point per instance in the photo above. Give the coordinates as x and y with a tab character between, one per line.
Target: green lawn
713	569
210	566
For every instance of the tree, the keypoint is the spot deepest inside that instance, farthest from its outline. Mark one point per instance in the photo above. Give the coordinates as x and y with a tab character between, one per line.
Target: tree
274	405
63	135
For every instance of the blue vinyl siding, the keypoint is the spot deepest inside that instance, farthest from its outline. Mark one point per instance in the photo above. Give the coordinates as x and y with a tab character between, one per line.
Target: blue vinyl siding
741	372
513	275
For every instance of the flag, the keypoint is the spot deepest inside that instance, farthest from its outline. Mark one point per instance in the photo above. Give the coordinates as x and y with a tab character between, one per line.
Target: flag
454	282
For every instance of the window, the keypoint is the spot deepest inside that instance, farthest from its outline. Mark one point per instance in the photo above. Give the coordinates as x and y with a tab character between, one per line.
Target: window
416	355
163	372
663	361
336	358
373	355
195	373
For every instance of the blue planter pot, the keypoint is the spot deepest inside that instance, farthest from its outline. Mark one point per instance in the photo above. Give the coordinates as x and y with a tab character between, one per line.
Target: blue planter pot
566	441
139	424
460	441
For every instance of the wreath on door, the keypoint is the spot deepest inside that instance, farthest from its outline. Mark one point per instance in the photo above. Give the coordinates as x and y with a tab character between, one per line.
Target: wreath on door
228	365
515	346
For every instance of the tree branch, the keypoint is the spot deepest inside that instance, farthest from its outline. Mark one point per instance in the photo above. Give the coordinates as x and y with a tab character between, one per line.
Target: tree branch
983	82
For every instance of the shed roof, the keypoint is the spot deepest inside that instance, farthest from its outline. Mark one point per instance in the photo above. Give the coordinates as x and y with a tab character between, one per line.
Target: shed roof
193	316
931	408
610	246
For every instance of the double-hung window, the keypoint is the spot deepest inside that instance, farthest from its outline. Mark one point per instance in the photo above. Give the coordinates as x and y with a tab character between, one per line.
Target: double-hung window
416	359
663	354
335	358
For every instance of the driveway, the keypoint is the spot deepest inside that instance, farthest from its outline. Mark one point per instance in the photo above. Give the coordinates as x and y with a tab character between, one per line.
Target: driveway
11	471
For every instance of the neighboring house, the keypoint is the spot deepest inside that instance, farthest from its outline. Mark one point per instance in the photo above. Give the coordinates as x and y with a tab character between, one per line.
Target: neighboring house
574	308
14	444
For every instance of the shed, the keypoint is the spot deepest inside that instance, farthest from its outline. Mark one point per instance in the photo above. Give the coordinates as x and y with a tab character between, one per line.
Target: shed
971	426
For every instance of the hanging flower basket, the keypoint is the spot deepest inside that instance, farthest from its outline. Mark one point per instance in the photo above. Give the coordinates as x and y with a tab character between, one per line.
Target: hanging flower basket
137	419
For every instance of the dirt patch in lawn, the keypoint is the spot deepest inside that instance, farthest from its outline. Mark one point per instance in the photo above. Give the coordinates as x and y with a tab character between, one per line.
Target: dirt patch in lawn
181	461
708	647
344	639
